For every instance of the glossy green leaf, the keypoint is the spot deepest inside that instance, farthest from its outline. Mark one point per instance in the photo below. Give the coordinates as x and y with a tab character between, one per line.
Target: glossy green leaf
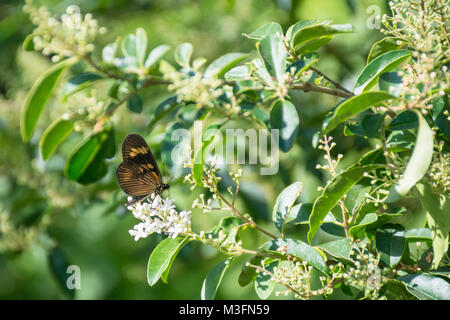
391	241
284	117
86	163
221	65
261	72
271	28
165	274
292	30
384	63
248	273
418	234
384	45
264	284
38	96
135	104
284	203
418	163
78	83
304	64
438	217
59	266
213	280
368	219
183	54
405	120
155	55
162	258
299	214
303	37
163	109
298	249
391	82
54	135
334	191
274	54
340	249
238	73
141	45
109	52
28	44
129	46
354	105
427	287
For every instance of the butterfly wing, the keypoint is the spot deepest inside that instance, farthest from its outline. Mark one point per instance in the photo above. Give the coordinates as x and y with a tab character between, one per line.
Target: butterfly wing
135	149
138	174
135	180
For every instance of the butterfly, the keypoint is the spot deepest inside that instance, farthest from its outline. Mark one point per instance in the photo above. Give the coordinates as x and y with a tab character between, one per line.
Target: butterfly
138	174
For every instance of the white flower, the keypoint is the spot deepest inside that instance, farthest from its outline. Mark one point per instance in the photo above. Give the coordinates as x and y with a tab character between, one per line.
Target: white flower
158	215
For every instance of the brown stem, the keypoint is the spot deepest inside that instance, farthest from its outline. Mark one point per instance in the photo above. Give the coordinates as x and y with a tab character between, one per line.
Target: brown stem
240	215
308	86
336	84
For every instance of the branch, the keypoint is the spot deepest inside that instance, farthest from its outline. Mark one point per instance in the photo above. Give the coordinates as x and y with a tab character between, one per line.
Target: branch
308	86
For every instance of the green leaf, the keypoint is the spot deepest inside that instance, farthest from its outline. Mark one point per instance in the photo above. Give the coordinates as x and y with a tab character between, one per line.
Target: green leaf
284	117
299	214
174	148
438	217
384	63
135	103
141	45
261	72
38	96
165	274
383	46
426	287
264	284
248	273
238	73
304	64
292	30
391	241
354	105
54	135
155	55
28	44
318	34
366	220
199	159
405	120
59	265
109	52
78	83
213	280
284	203
162	258
334	191
86	163
271	28
418	234
340	249
274	55
298	249
391	82
129	46
221	65
163	109
183	54
418	163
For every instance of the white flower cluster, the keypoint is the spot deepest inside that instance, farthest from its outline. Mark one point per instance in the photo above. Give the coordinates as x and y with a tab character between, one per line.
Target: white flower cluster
72	34
159	215
195	88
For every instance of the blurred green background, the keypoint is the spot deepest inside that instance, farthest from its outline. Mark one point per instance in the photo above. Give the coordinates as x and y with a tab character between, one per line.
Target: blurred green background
40	209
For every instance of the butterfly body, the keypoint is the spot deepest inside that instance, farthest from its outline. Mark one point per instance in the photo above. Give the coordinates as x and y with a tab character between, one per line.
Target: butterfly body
138	174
